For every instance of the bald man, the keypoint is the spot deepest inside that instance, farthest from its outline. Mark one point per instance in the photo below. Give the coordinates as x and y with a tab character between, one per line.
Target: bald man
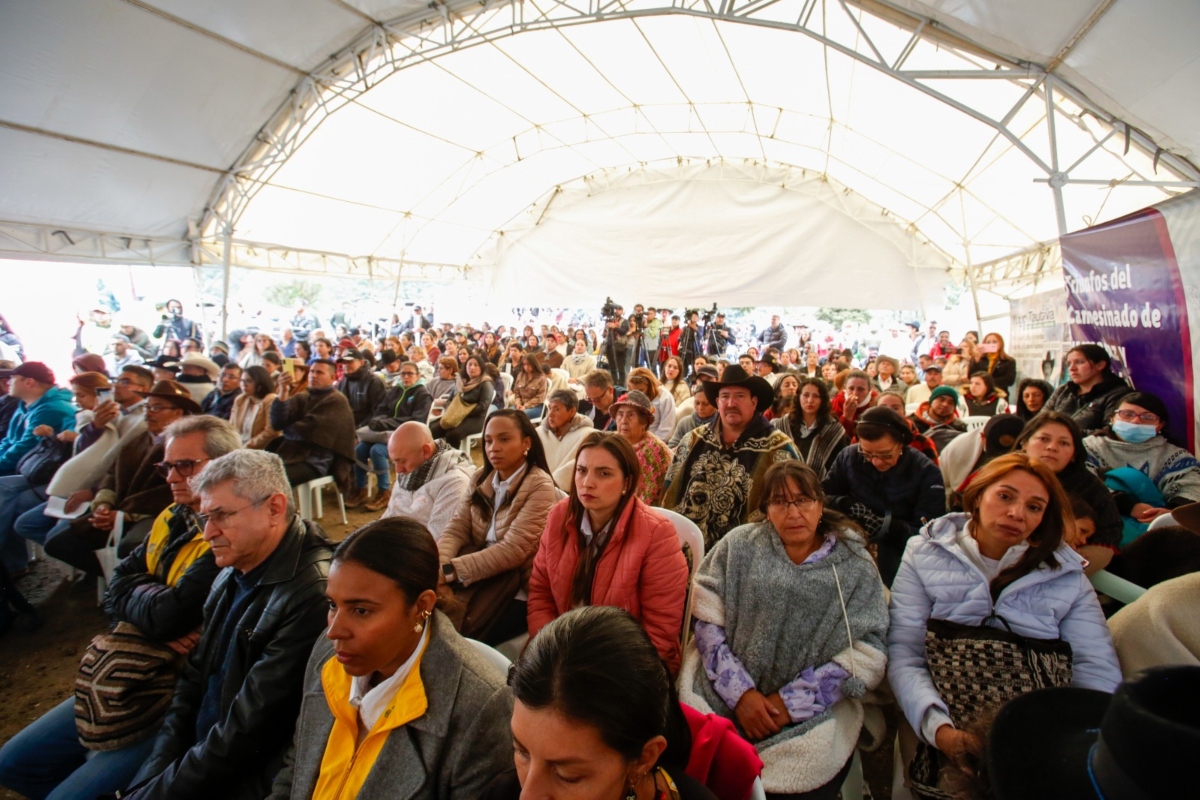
432	478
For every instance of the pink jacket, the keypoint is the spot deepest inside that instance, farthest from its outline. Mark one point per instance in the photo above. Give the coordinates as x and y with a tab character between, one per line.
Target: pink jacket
641	570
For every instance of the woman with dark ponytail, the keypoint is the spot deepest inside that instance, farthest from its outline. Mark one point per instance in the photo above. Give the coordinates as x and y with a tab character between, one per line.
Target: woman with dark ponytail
595	716
396	704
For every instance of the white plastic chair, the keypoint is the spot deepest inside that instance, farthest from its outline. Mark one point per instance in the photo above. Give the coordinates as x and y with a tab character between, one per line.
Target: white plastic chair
1119	589
1162	521
493	655
689	534
308	495
468	442
513	647
975	424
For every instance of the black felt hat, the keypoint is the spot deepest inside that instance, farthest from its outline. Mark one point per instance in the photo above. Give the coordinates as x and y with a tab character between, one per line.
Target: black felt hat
734	375
1085	744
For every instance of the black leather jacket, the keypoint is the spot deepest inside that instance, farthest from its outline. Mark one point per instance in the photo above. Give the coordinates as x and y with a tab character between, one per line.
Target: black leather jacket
260	698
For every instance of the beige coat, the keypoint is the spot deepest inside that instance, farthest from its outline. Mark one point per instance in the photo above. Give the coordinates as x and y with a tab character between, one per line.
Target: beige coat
519	524
262	433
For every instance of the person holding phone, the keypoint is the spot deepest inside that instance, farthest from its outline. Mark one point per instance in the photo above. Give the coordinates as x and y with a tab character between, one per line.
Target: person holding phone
991	358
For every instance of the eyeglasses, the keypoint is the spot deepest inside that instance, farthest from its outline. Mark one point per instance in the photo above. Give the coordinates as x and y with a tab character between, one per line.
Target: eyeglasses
219	518
882	458
799	504
407	374
185	468
1133	416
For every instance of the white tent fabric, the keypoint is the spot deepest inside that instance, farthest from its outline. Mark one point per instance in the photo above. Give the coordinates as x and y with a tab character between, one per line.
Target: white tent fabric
402	131
671	234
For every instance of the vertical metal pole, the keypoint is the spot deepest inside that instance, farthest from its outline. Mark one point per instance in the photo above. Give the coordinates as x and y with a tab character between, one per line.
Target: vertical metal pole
226	257
1057	179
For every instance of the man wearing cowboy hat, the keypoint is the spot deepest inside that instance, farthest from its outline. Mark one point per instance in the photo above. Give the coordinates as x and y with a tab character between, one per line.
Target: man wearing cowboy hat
199	374
131	485
716	476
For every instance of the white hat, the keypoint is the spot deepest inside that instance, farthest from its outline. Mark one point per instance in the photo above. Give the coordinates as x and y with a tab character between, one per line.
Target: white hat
207	364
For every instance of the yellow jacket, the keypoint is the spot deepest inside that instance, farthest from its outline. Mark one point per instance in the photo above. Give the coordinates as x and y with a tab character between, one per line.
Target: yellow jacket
345	766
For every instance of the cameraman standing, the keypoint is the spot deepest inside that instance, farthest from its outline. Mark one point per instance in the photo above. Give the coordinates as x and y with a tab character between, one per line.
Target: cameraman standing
719	337
650	333
633	340
689	341
617	333
176	326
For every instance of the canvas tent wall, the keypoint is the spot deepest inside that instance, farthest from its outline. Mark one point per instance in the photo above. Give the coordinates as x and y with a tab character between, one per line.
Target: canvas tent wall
224	133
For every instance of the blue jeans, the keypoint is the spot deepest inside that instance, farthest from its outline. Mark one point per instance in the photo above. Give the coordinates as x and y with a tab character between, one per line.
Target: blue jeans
16	497
35	526
377	454
536	411
46	760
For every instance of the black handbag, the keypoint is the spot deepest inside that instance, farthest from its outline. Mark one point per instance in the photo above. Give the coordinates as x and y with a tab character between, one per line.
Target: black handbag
39	464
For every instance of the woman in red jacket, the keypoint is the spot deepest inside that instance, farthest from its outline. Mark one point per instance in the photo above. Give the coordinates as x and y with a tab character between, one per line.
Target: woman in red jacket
604	547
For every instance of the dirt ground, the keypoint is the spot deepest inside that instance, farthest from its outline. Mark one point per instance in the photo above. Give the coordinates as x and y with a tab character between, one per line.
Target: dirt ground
37	669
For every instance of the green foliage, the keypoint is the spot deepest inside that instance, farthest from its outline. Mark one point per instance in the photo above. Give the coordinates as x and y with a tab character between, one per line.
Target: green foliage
287	295
837	316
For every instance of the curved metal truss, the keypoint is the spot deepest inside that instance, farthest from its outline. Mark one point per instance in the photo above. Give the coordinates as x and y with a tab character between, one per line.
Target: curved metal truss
387	48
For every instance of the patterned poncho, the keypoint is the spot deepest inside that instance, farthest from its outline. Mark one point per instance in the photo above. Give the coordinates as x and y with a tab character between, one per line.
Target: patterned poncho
717	485
654	457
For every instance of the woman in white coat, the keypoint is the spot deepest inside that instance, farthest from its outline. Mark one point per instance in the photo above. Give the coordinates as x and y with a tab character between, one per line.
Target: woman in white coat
1004	563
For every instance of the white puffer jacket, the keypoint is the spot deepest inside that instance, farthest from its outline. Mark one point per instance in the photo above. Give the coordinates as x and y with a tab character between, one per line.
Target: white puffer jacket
938	581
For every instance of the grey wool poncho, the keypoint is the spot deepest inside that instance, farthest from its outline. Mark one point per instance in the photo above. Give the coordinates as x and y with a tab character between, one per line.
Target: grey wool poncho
780	618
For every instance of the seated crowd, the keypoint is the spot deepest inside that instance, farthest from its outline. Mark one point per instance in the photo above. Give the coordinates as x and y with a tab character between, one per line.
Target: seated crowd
713	571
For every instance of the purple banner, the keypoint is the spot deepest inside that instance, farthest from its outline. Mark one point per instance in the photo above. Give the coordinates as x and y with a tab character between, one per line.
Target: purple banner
1124	293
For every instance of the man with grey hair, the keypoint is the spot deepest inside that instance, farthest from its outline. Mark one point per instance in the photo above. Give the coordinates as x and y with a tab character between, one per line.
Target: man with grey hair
235	706
160	589
433	479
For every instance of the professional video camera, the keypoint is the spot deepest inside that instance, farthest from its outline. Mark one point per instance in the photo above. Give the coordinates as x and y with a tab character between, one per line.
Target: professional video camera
609	310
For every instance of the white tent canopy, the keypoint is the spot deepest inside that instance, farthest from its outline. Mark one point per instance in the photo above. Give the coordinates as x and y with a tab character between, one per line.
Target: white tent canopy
351	135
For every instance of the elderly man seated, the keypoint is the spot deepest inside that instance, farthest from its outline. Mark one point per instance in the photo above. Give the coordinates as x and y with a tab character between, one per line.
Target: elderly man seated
561	431
234	711
433	479
317	426
407	402
715	478
132	485
921	392
159	592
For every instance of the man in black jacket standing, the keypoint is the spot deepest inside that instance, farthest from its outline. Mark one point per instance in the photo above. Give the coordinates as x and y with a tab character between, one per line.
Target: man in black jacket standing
234	711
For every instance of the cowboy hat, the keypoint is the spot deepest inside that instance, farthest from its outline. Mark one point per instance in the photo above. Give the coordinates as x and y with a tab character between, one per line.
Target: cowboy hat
736	376
210	367
176	393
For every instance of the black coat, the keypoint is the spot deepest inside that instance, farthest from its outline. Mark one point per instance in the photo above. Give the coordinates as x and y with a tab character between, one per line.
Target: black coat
365	393
260	697
1091	410
219	405
161	611
401	405
907	496
1004	374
